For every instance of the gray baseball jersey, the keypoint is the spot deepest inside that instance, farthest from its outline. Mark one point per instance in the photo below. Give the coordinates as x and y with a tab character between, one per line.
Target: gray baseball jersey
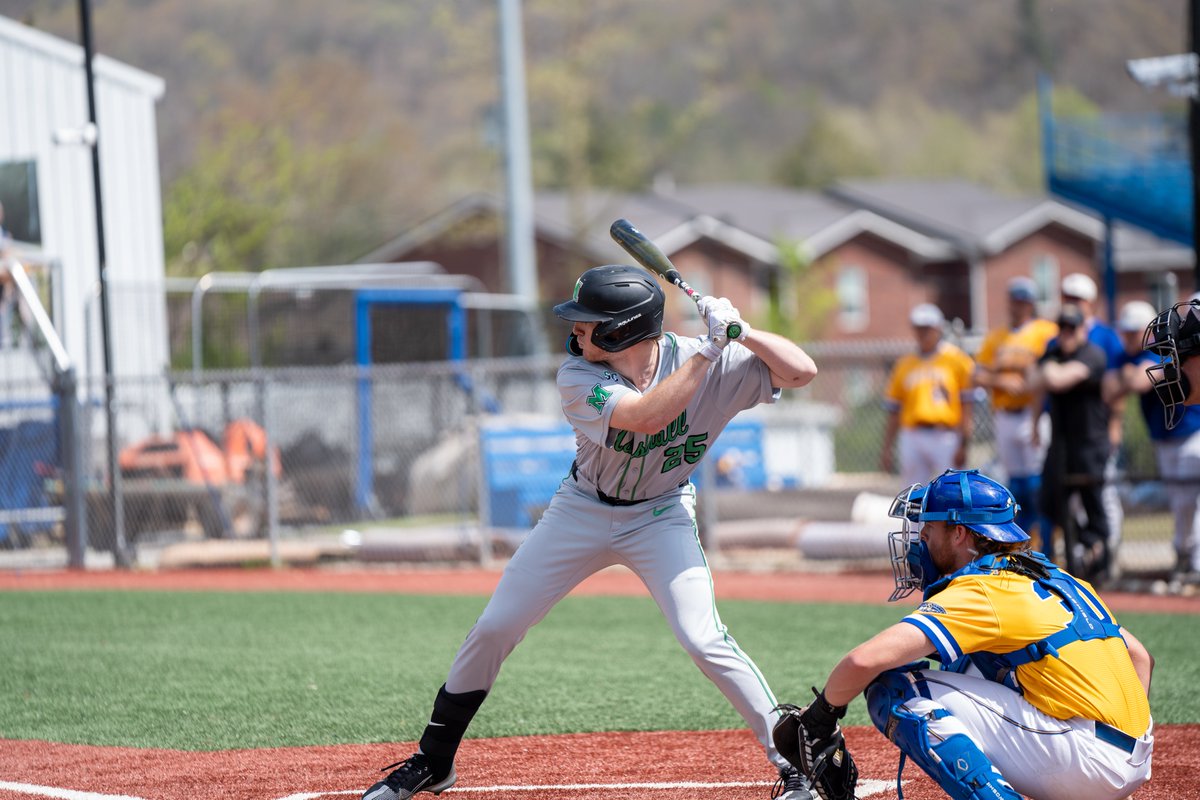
637	466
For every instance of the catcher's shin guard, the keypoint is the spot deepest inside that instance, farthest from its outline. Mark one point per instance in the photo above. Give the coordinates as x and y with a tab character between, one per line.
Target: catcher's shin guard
956	763
452	713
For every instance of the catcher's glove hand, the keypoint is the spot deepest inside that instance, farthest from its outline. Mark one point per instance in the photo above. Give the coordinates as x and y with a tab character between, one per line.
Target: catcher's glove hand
811	740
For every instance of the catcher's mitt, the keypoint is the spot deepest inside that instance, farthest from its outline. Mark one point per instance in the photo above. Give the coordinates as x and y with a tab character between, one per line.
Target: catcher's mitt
811	740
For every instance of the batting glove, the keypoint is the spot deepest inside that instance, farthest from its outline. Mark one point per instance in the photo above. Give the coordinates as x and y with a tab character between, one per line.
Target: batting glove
711	349
718	313
709	305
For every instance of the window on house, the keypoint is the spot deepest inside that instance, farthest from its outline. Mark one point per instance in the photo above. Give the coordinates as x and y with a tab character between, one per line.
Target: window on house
1046	276
852	298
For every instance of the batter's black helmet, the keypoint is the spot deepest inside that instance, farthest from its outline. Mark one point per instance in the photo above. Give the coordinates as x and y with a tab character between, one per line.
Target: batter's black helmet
626	301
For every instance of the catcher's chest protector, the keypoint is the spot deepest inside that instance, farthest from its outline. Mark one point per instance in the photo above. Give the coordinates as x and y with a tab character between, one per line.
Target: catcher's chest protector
1089	620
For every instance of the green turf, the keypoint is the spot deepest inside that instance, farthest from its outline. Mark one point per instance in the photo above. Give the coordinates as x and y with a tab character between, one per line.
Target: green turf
224	670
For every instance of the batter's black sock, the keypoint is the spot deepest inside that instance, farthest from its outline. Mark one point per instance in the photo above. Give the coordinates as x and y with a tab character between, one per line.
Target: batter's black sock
452	713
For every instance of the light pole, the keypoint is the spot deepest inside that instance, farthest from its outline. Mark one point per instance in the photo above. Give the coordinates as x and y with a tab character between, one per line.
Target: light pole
520	253
120	555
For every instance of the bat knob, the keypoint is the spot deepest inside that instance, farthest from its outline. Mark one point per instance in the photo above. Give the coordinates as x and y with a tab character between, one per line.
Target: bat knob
733	330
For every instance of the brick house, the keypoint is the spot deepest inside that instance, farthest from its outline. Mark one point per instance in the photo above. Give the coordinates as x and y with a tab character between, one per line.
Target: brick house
876	248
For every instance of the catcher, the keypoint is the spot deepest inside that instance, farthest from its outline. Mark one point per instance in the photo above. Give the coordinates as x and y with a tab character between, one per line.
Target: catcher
1174	336
1040	692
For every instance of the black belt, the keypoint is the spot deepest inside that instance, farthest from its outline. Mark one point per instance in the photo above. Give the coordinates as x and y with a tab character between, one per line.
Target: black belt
604	498
930	426
1118	739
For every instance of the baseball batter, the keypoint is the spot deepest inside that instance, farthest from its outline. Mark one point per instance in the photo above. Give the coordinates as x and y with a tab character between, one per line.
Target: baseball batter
646	407
1040	692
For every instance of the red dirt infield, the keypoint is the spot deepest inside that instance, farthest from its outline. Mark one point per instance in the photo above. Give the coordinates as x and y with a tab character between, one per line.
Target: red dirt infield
621	766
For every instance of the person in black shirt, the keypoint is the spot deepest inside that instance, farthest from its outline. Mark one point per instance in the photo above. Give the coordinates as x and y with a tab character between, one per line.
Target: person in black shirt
1071	375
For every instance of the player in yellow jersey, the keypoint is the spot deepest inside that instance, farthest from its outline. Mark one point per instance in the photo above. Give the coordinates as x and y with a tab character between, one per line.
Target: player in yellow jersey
928	401
1040	692
1006	364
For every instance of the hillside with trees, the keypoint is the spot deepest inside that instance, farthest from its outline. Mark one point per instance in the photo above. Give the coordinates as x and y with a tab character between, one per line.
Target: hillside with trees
304	132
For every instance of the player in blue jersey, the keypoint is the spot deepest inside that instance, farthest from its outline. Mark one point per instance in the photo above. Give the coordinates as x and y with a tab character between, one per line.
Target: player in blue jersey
1176	449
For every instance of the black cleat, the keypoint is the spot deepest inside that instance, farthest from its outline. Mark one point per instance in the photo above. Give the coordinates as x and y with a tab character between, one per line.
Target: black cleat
411	776
792	785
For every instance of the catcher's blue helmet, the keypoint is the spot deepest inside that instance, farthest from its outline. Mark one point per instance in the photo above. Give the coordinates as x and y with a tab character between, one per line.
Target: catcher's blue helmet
966	497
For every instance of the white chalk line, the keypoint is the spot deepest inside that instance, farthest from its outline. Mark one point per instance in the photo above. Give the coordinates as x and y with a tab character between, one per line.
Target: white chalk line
61	794
866	788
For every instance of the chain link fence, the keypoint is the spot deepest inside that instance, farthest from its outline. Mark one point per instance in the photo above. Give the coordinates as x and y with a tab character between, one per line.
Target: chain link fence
438	460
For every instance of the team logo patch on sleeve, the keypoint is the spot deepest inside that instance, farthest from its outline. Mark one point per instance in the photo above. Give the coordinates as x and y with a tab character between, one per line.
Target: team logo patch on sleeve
931	608
599	397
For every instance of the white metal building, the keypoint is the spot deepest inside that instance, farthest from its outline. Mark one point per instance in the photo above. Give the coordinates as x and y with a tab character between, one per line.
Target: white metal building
43	93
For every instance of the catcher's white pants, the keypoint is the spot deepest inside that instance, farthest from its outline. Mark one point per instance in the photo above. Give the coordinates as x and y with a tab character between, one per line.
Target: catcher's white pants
1110	498
1042	757
1179	465
926	453
577	536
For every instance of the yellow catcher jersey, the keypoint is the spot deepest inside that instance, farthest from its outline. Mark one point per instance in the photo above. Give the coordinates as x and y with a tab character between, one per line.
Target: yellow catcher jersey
929	390
1015	351
1093	679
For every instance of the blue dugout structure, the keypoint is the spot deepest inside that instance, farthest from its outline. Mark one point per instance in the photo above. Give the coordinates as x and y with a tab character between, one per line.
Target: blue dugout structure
364	299
456	303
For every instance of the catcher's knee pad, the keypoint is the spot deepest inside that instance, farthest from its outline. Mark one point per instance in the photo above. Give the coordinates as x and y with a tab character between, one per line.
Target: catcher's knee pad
884	693
956	763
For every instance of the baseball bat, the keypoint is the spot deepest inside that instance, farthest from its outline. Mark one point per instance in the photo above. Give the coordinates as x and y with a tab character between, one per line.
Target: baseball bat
648	254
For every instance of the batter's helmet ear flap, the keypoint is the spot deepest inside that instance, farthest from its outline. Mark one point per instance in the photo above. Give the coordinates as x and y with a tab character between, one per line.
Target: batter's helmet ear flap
573	345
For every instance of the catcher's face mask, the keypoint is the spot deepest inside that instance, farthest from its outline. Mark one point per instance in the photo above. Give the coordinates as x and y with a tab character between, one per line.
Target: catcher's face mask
908	562
1173	336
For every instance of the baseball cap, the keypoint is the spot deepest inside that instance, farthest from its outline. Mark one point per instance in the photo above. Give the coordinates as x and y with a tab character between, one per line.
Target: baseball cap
1135	316
1070	316
1079	285
1022	288
926	315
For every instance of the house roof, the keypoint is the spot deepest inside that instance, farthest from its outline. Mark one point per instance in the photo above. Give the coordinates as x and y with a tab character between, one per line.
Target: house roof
981	220
935	220
72	55
957	210
585	220
1138	250
749	218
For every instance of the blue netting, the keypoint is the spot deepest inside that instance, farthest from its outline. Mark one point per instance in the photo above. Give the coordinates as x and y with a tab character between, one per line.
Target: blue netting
1131	168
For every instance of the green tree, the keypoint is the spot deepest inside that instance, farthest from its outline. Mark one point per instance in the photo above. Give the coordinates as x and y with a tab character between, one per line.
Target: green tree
800	300
832	147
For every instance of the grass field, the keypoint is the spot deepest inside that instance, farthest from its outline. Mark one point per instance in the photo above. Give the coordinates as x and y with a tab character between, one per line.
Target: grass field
201	671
